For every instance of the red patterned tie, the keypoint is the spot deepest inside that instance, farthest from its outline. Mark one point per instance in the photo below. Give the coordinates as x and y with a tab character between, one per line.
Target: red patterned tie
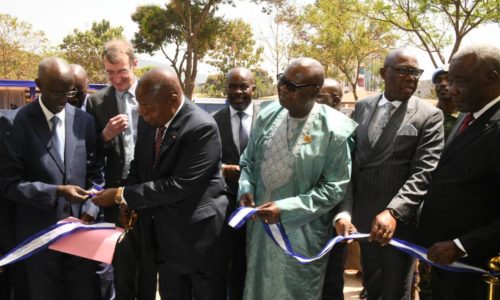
467	120
160	131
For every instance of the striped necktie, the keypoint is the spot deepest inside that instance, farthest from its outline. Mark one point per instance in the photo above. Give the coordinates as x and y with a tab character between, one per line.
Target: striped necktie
160	131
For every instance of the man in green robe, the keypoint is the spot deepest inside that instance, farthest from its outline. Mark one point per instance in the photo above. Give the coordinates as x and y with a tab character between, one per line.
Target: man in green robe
295	170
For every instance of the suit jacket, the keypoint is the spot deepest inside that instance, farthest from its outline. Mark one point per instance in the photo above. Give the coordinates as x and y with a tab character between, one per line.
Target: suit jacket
230	154
33	169
7	206
463	197
103	106
185	191
395	173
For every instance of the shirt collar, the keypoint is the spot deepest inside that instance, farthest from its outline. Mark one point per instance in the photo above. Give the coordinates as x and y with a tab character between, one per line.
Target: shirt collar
384	100
48	114
176	112
478	113
247	111
131	89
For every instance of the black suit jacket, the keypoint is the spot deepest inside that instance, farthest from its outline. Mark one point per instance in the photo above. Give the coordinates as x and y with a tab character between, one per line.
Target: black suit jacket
230	154
463	200
7	206
103	106
33	169
185	191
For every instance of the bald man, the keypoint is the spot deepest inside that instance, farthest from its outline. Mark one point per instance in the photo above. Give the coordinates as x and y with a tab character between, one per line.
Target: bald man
295	170
398	143
49	163
235	124
331	93
81	86
176	188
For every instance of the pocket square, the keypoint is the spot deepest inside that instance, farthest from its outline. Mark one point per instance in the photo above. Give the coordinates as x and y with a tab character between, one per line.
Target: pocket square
408	130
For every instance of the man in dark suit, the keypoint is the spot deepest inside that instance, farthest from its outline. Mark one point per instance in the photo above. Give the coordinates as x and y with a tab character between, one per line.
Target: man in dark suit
176	187
398	143
235	123
50	158
461	213
115	111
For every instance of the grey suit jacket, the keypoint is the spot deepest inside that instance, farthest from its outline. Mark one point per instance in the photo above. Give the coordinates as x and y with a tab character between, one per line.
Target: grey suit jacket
395	173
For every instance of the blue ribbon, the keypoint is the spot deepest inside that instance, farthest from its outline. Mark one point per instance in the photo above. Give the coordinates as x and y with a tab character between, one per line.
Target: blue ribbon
277	233
43	239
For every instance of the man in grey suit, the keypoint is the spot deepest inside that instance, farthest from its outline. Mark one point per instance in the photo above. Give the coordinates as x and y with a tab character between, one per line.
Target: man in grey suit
398	144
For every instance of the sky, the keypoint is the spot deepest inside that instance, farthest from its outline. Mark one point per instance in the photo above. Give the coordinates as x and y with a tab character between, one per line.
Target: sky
58	18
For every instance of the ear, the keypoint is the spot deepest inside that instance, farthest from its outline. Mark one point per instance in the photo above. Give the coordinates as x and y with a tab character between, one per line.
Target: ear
38	84
134	63
382	72
493	77
253	88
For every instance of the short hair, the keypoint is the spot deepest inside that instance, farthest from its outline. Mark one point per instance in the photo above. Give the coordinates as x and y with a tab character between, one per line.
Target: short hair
487	56
112	49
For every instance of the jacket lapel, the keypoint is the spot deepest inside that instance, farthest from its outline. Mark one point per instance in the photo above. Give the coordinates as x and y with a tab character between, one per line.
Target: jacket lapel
487	121
364	147
41	128
228	132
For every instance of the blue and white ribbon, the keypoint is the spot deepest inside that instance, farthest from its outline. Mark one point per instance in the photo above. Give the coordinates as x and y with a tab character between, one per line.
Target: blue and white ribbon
277	233
43	239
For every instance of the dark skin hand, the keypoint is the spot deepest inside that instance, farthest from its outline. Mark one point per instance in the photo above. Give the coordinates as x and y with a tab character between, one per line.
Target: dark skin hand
231	172
344	227
127	217
247	200
444	253
87	219
105	198
269	213
72	193
383	228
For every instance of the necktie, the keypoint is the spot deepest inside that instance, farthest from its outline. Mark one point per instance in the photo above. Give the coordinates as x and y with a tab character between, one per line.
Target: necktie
467	120
379	121
56	138
160	131
243	135
128	134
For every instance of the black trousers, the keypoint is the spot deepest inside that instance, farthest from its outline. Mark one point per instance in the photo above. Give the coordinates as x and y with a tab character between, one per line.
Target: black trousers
135	274
333	288
396	269
457	286
54	275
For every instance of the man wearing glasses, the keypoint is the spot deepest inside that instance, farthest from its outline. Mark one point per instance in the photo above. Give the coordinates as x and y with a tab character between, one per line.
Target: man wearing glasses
49	161
398	144
115	110
295	169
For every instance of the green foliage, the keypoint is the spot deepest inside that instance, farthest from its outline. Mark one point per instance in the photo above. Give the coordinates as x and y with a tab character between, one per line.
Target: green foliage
183	31
342	39
235	47
140	71
21	48
215	85
434	25
85	48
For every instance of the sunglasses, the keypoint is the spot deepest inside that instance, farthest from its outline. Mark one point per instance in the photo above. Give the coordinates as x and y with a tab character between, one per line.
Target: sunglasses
291	86
402	71
69	94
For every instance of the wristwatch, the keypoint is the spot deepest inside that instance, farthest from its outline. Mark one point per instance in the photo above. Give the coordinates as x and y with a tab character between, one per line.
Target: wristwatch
119	196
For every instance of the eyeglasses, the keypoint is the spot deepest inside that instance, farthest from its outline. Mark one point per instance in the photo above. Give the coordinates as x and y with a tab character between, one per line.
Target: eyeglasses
77	94
243	86
402	71
69	94
122	72
292	86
